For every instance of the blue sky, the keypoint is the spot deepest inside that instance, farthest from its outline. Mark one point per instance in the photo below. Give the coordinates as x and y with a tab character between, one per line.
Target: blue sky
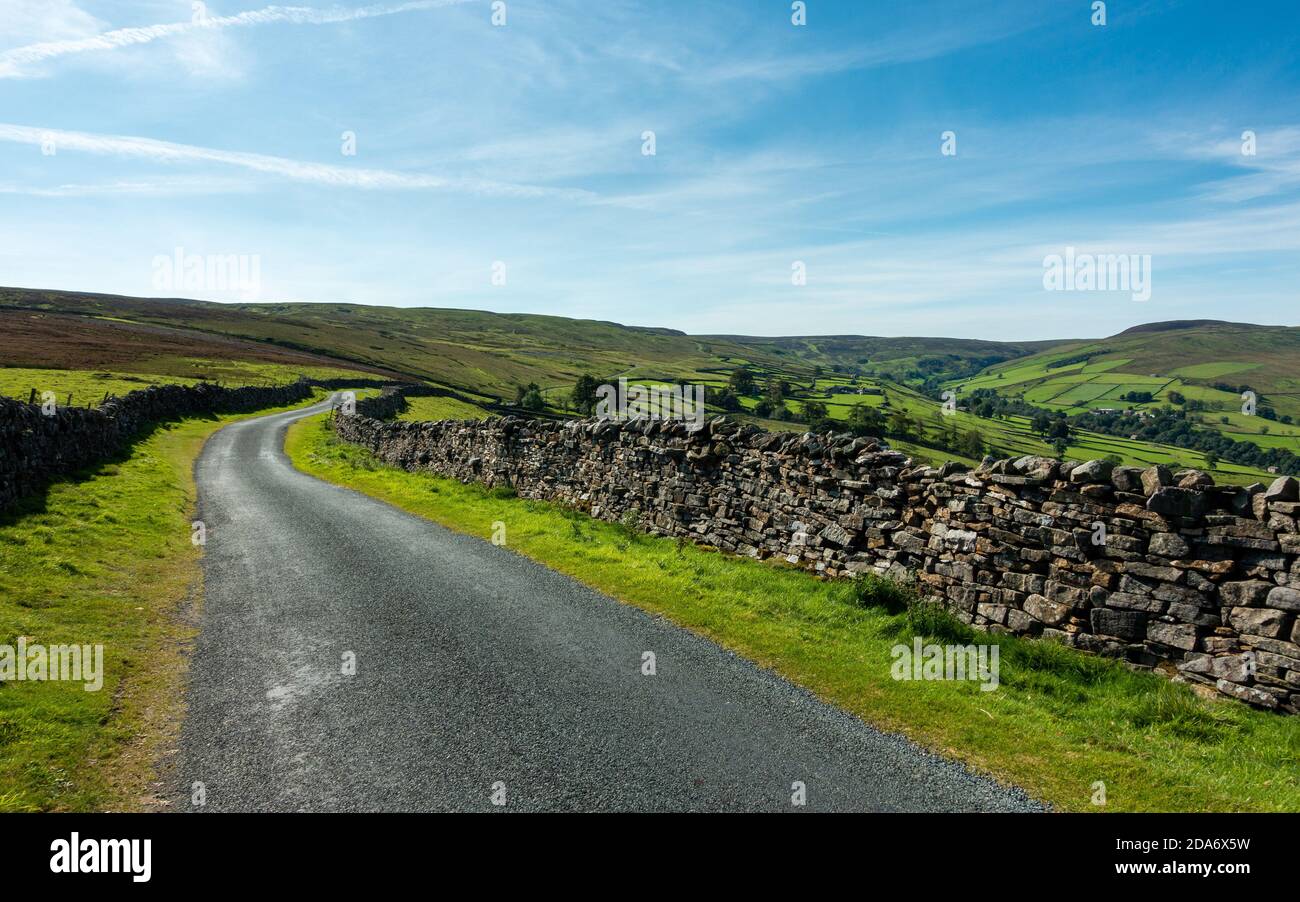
521	144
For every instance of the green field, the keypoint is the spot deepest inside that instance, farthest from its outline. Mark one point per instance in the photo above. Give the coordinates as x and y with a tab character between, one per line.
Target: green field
1059	721
1013	436
1156	359
441	409
89	388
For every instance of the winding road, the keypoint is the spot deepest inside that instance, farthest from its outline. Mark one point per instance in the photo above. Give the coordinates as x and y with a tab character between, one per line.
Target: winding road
482	676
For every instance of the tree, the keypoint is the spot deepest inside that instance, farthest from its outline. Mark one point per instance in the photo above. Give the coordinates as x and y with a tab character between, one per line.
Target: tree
584	394
1212	459
742	382
529	397
972	444
866	420
815	414
945	432
726	399
1041	422
777	390
900	424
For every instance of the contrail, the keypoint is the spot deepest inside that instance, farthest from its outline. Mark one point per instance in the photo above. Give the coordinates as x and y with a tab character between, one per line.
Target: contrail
297	170
13	61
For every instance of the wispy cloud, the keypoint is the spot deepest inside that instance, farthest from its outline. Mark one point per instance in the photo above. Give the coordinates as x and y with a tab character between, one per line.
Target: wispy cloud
887	50
295	170
14	63
160	187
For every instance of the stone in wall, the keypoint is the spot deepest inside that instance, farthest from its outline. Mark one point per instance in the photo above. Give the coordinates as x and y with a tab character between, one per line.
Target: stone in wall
1162	570
35	448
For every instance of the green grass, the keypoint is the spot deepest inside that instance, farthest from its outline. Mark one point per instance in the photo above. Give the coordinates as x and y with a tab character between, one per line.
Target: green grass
1060	720
104	558
434	408
89	388
85	387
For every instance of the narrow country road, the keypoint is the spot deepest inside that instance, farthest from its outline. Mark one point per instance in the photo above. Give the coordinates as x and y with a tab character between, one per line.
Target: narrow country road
478	670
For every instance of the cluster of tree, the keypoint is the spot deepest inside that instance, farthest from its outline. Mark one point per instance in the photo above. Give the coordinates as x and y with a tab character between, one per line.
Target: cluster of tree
583	398
1138	397
948	437
1051	425
930	374
932	370
724	398
988	404
863	419
1172	427
529	397
742	382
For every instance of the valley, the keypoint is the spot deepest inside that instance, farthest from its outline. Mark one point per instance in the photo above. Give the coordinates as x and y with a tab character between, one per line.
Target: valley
1181	383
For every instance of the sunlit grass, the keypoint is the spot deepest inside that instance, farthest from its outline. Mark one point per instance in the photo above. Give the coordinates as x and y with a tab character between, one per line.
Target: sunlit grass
434	408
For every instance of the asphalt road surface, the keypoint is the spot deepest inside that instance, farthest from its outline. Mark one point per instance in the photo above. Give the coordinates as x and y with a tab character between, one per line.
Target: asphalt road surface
482	676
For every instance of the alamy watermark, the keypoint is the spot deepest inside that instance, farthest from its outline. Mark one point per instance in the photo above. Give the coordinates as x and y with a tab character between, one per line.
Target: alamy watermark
1098	272
239	274
653	402
75	855
42	663
977	663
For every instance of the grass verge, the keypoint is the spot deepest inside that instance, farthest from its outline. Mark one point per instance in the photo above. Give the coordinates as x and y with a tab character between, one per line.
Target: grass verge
102	558
1059	722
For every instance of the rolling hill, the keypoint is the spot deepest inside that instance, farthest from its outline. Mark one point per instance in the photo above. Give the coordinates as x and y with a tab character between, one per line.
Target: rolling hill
1203	366
1198	367
491	353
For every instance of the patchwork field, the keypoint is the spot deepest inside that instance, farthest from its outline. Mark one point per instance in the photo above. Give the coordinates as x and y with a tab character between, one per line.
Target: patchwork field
1156	359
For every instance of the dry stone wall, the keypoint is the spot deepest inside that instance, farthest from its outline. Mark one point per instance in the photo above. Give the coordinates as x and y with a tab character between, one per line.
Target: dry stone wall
35	447
1166	571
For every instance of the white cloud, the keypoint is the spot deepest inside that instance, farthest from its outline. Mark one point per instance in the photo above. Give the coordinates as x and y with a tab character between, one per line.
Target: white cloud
158	187
45	21
16	63
295	170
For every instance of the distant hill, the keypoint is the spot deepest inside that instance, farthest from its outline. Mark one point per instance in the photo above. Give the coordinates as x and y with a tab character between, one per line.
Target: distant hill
1175	324
912	360
491	353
